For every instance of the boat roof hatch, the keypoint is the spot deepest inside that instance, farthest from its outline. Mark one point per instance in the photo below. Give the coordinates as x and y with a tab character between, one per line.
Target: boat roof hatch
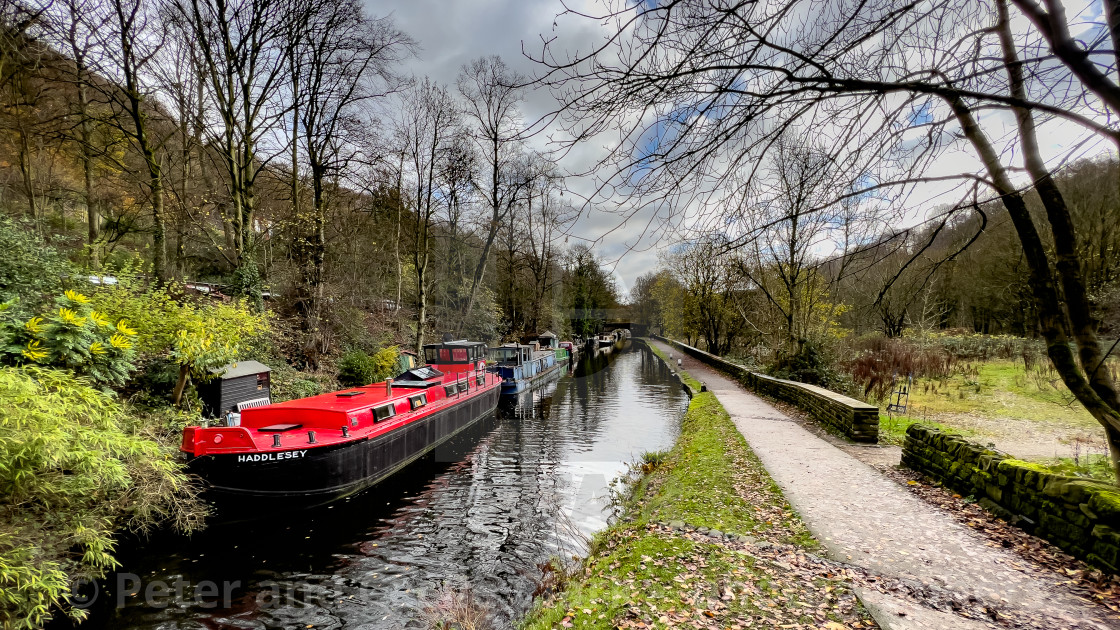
422	373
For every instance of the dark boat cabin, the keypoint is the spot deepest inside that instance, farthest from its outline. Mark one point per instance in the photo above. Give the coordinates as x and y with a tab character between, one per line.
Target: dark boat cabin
546	340
235	387
456	356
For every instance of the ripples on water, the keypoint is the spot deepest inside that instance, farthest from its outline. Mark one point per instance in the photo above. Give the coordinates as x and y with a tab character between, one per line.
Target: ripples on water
483	513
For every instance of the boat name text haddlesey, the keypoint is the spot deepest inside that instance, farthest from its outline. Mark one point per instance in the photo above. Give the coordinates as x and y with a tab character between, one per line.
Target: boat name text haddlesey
271	457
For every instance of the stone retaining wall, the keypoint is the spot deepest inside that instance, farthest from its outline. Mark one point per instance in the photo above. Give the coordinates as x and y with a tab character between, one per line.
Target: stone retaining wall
1079	515
857	420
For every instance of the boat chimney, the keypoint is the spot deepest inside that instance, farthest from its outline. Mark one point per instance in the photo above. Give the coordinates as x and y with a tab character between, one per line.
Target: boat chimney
345	431
388	387
275	440
310	437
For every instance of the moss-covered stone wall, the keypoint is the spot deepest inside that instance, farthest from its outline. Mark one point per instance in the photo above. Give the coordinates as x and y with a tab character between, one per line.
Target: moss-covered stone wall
1081	516
855	419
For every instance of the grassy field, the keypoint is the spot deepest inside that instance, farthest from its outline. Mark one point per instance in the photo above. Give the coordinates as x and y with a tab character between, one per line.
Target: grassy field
707	541
1027	413
1001	389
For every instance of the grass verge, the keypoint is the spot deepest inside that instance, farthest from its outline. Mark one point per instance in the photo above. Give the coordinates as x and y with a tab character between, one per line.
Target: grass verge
686	378
706	540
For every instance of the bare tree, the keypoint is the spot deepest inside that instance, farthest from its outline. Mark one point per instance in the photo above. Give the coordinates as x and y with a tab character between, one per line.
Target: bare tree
341	59
709	277
456	188
428	120
20	66
492	93
77	33
889	88
241	50
128	48
789	220
546	216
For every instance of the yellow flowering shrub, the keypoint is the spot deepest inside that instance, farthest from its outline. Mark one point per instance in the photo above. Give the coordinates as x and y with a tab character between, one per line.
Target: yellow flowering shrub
71	336
197	335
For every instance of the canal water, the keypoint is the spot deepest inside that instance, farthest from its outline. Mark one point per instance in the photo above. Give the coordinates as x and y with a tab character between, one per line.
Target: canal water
480	517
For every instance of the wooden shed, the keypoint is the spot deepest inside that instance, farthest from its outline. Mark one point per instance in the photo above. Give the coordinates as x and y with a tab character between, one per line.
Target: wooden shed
234	387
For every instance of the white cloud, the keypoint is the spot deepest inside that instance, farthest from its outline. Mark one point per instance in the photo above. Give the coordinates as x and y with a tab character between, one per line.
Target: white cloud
451	34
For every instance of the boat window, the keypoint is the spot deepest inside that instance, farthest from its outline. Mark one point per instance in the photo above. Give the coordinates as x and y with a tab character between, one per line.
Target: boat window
459	355
464	386
444	355
450	390
431	355
418	401
384	412
480	380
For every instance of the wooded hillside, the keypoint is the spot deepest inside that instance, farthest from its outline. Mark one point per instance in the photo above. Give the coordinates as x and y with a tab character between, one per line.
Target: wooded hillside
278	149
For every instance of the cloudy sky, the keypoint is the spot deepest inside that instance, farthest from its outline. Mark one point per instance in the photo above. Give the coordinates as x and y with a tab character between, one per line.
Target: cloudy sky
453	32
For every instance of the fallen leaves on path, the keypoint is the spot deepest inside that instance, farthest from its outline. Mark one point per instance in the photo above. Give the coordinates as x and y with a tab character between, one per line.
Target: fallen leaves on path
1036	555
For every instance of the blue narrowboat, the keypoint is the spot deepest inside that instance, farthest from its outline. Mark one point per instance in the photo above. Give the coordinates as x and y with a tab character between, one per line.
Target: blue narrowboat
523	366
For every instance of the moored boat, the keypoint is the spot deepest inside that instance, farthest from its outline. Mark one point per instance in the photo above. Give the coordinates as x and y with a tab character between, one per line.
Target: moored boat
339	443
573	351
522	366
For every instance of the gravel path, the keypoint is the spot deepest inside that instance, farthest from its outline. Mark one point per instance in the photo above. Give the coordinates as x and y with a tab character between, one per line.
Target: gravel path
867	520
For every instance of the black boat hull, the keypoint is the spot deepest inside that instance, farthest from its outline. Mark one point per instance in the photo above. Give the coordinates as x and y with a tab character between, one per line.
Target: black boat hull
329	472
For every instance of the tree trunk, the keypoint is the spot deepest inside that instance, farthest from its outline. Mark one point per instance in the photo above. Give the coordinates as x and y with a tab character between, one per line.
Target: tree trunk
1068	264
421	307
492	233
155	186
25	170
180	384
159	227
93	217
397	250
1052	319
316	258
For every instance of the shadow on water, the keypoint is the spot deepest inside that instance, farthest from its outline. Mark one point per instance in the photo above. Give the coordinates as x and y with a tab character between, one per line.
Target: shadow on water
482	512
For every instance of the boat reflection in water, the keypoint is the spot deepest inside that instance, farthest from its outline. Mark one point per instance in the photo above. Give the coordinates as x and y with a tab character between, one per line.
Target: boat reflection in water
482	512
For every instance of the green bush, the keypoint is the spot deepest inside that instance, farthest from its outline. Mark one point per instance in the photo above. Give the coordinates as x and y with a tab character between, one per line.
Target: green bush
358	368
807	365
288	383
247	284
29	268
73	472
160	318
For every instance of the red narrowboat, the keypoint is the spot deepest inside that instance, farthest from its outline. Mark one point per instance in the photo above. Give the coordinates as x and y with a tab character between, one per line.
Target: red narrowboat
336	444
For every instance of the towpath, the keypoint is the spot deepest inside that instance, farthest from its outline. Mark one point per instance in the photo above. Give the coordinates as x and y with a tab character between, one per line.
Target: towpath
864	519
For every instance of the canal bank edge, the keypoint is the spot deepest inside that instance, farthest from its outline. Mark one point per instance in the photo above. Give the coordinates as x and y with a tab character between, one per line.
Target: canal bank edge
854	419
706	539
